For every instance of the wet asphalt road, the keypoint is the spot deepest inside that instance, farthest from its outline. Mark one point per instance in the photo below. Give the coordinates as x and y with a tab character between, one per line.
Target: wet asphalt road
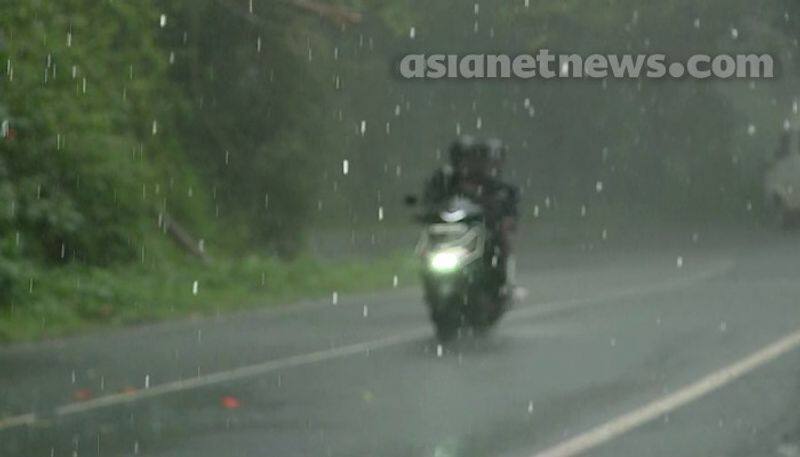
605	330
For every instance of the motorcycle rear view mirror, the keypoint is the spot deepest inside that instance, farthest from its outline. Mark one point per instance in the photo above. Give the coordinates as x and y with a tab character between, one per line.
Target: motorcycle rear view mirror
411	200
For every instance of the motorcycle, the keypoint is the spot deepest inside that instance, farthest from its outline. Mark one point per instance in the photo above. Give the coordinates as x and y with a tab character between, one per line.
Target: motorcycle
461	277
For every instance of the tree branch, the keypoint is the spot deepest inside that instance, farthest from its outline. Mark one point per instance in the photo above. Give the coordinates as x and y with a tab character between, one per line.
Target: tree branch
339	14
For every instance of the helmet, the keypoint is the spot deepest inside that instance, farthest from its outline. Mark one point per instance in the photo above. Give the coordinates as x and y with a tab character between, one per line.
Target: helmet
496	151
478	157
461	148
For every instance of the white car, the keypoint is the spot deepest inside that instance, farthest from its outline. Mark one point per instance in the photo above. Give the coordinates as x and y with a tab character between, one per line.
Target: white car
782	182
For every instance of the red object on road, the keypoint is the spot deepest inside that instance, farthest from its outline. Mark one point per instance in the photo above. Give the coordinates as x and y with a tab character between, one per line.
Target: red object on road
82	395
229	402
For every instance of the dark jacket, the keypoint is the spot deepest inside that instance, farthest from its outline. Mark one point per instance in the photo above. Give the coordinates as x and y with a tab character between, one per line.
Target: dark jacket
499	199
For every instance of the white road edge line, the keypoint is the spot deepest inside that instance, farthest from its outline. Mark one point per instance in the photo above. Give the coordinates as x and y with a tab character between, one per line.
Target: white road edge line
651	411
218	377
334	353
242	372
17	421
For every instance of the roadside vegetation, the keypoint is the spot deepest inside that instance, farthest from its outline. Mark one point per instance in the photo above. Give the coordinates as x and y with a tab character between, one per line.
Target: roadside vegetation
152	166
65	300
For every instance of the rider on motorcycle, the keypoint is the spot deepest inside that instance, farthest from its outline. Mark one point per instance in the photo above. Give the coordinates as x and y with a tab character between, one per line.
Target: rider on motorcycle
474	172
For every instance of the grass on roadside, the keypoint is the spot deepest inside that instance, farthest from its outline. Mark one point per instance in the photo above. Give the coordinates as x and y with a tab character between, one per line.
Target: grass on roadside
68	299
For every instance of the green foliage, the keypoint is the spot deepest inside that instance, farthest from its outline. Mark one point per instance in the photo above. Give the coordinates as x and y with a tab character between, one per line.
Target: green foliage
253	119
118	112
72	298
89	153
81	94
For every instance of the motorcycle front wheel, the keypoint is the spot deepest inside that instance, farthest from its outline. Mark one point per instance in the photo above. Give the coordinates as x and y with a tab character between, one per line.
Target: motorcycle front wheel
446	324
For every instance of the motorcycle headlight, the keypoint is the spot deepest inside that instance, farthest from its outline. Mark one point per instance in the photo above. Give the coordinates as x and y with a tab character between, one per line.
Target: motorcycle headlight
446	260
